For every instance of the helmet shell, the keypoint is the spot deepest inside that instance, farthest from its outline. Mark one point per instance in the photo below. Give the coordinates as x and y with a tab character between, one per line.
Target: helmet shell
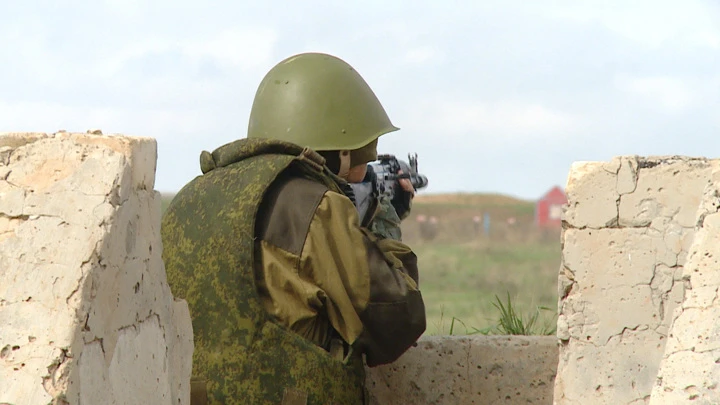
318	101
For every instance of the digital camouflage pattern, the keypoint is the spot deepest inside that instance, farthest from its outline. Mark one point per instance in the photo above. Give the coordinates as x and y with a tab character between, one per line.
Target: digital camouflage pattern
208	250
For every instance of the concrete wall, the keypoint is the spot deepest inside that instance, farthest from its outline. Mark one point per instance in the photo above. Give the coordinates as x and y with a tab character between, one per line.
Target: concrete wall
445	370
628	229
690	369
87	315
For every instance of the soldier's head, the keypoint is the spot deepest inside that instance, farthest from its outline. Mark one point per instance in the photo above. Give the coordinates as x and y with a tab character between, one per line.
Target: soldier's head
319	101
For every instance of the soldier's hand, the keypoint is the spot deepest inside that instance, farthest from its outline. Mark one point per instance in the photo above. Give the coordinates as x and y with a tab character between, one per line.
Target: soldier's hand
407	186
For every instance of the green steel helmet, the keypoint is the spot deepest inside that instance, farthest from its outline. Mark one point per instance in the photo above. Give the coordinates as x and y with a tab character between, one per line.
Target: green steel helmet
318	101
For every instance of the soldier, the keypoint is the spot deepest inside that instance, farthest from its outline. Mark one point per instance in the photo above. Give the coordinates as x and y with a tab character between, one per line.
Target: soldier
288	288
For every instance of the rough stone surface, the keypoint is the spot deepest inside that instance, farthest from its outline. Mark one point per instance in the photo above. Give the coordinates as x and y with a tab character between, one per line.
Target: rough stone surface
690	369
87	314
469	370
627	231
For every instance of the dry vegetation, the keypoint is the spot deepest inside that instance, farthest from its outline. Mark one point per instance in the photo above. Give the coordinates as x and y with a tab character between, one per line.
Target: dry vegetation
463	270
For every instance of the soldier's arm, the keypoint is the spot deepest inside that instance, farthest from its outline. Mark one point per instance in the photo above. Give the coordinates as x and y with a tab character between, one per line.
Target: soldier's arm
386	223
371	284
386	220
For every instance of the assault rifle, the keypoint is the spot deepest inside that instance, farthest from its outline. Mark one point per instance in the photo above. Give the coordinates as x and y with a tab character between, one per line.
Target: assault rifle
382	181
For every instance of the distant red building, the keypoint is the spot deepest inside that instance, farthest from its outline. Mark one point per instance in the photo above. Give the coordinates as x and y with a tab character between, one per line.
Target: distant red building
549	208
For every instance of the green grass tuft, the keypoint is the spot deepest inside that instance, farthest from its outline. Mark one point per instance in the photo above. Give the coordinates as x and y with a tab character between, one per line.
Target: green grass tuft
512	323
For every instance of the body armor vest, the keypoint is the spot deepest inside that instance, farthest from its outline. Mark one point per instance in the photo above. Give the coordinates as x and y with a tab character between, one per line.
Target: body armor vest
208	236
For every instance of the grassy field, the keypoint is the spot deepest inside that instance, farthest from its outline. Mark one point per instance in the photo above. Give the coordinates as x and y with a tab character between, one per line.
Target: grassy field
462	270
462	280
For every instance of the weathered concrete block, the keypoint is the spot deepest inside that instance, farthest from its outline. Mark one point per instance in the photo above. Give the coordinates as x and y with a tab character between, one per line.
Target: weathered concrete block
628	228
87	314
690	370
669	187
592	194
469	370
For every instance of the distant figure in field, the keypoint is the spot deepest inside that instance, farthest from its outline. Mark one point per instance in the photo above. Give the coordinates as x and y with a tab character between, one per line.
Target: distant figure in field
477	222
428	227
486	224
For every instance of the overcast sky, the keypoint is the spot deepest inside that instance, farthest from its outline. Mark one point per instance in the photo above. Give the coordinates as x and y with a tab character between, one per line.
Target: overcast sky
494	96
